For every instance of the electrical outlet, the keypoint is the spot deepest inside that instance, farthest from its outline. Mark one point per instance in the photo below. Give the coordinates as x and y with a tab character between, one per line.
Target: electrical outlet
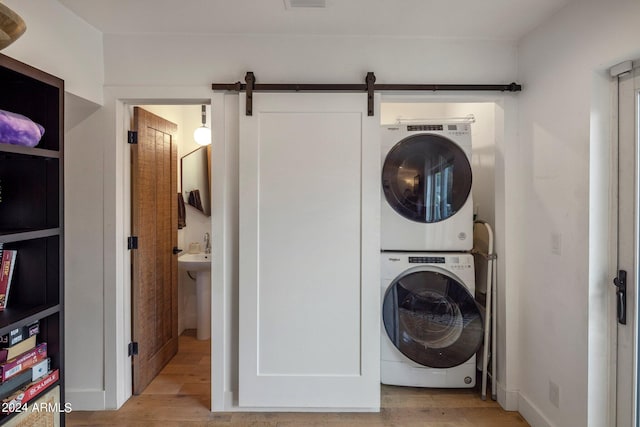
554	394
556	243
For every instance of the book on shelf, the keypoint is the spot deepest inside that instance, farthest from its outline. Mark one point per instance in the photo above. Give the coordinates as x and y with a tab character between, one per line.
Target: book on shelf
25	377
15	401
6	274
26	360
16	350
18	334
13	384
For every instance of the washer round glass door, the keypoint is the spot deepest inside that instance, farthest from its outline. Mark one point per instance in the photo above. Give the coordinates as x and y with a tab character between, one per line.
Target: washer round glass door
432	319
426	178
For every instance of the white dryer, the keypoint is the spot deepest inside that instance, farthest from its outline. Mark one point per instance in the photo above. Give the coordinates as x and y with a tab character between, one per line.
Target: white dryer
426	187
431	324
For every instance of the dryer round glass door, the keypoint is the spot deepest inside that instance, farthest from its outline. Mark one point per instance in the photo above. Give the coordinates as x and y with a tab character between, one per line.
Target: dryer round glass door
426	178
432	319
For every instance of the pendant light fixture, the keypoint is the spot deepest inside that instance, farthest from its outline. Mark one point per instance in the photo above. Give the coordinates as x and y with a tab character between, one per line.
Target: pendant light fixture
11	26
202	135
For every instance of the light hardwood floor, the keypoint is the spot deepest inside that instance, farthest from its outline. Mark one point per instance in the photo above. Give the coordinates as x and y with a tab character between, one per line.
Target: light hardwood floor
180	396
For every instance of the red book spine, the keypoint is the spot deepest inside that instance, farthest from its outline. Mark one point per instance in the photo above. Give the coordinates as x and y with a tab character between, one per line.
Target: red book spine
16	401
12	255
38	387
5	269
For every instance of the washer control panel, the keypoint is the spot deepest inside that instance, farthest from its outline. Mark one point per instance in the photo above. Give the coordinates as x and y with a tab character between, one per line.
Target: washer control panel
453	261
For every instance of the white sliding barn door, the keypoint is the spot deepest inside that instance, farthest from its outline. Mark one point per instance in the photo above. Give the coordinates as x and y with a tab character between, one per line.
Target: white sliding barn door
309	327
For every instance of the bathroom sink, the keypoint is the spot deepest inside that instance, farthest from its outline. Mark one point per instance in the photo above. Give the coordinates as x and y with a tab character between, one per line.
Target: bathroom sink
195	262
200	264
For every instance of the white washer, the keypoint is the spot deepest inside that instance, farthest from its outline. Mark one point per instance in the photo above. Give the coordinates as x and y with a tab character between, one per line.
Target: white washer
431	324
426	187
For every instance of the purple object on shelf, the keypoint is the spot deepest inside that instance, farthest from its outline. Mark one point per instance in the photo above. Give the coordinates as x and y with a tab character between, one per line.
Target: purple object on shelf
19	130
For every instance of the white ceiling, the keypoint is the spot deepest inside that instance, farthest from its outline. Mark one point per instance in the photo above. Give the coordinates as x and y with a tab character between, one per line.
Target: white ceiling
478	19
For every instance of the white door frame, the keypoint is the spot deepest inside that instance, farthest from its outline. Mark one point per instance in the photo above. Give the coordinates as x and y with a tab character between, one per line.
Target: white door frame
117	289
224	275
627	176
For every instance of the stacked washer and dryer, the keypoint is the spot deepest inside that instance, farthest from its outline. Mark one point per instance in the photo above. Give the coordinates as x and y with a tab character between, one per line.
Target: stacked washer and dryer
432	326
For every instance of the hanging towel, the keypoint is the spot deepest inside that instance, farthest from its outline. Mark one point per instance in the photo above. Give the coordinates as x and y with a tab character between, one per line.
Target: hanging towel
194	200
182	215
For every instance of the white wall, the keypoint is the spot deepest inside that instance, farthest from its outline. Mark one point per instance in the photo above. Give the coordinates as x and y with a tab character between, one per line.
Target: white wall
62	44
202	60
84	267
564	116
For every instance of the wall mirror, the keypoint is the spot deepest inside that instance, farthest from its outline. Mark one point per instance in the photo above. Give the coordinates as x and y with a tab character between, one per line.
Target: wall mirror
195	178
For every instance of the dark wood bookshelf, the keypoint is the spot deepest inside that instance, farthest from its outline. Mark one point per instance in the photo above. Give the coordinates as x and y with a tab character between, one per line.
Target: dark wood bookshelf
17	317
31	211
30	151
27	234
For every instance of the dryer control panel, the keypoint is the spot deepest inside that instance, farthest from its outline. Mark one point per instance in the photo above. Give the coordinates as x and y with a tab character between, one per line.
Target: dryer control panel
426	260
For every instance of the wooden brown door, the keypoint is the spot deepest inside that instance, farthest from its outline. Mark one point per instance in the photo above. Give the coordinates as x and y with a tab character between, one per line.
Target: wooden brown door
154	213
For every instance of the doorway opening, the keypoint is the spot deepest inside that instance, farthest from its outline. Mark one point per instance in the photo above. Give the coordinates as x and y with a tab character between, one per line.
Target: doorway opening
168	290
487	164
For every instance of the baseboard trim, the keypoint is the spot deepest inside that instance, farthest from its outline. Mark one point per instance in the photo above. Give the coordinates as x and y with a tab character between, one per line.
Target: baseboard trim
301	409
508	399
226	405
85	400
532	414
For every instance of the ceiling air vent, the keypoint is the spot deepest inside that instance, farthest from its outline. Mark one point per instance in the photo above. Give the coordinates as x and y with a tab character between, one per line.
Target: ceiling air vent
299	4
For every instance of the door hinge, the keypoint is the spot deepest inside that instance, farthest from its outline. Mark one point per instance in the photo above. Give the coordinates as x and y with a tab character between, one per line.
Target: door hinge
132	242
133	349
621	296
132	137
